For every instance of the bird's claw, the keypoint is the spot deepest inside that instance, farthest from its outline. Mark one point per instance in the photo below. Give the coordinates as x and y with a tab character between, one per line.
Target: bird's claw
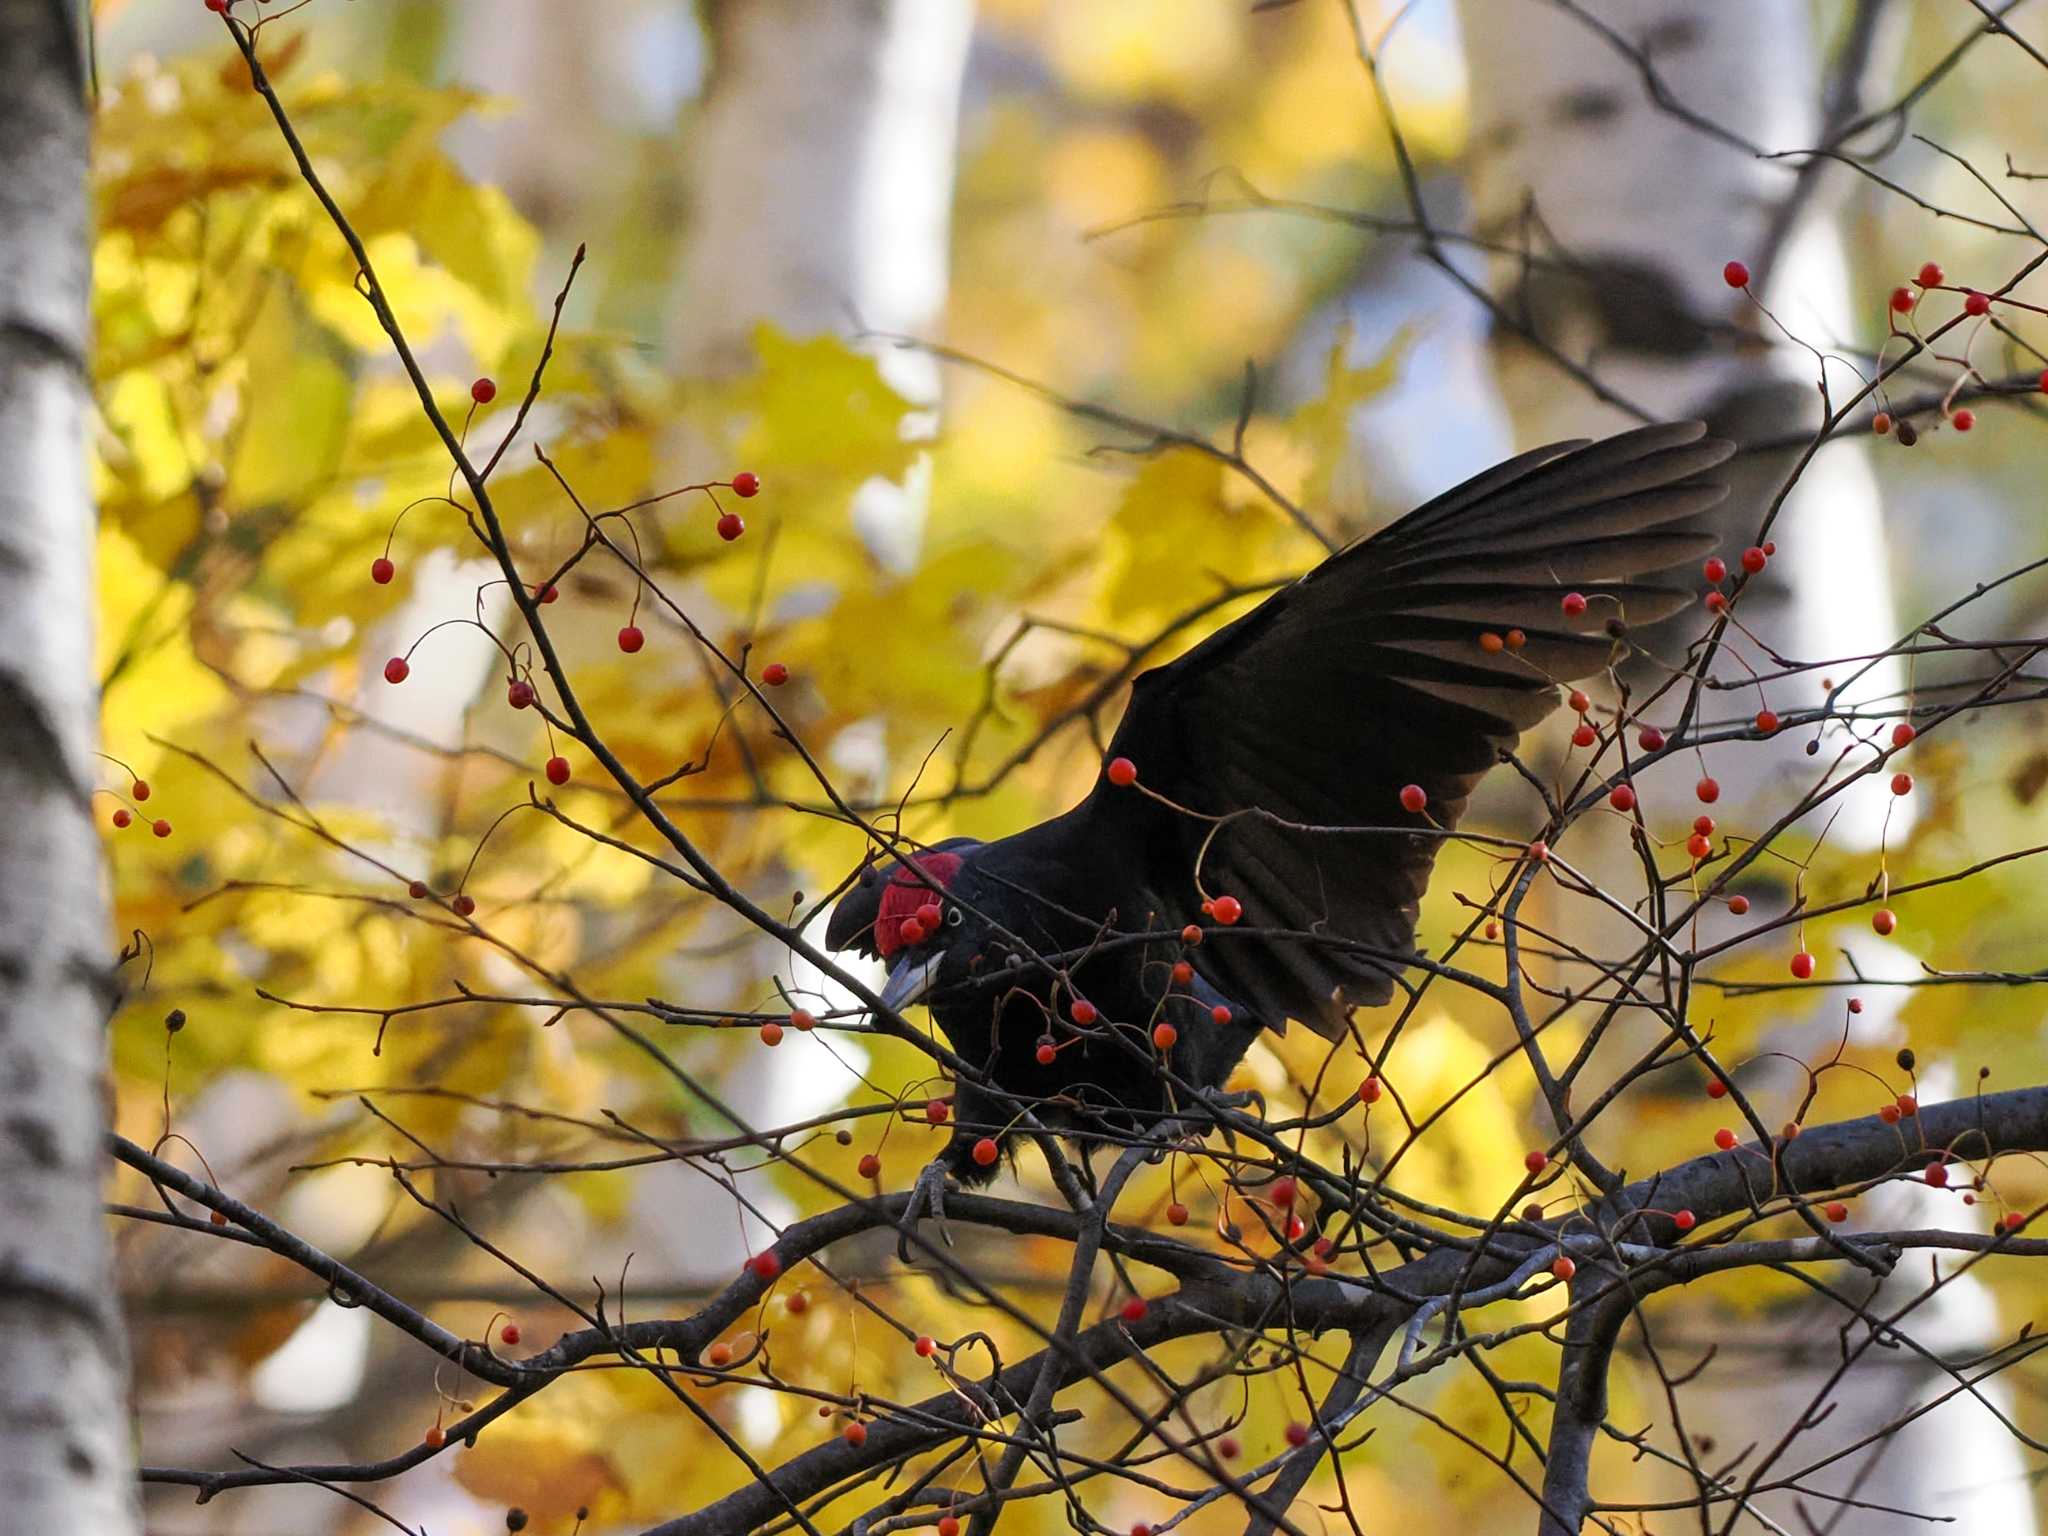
928	1193
1223	1098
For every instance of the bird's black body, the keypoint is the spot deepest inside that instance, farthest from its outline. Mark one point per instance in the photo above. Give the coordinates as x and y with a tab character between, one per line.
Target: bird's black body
1270	761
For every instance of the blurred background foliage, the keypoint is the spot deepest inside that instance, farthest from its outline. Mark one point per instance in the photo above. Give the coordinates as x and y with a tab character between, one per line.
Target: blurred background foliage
257	447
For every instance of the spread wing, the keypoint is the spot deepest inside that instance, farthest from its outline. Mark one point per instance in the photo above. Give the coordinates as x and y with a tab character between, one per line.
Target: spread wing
1369	674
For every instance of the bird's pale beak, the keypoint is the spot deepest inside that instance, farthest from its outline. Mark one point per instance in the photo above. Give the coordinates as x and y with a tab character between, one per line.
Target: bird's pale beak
910	979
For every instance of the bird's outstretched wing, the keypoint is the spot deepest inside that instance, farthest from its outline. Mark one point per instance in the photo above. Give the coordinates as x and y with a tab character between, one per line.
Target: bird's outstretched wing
1370	674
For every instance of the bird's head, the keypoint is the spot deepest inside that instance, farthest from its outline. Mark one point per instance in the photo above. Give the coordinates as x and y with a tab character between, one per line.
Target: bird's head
898	912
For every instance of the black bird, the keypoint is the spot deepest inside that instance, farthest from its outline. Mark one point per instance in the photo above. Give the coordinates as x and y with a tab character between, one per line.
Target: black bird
1051	958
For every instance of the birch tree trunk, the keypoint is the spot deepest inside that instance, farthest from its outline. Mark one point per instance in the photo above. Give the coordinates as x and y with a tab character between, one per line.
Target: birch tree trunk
1573	156
64	1444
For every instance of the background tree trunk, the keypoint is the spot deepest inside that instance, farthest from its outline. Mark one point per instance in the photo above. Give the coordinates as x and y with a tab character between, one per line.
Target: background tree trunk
64	1444
1573	157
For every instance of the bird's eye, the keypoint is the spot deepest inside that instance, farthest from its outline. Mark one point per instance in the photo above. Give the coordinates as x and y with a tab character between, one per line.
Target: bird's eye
955	917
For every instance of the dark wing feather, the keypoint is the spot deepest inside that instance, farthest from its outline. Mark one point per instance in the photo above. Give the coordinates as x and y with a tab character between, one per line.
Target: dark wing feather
1365	675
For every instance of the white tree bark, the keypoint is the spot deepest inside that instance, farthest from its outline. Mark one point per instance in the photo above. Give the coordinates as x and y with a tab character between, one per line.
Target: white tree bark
64	1451
1571	154
822	186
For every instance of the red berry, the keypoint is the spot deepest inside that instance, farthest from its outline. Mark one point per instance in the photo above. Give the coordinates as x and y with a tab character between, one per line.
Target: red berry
1903	300
1836	1211
1536	1161
1369	1091
1739	905
1574	603
855	1434
1177	1214
1703	825
1220	1014
1881	423
462	904
1855	1005
746	483
1413	799
1735	275
775	674
1082	1012
436	1436
986	1151
1717	602
937	1111
2044	381
160	827
122	817
509	1333
1577	702
1975	303
1563	1267
771	1033
802	1020
1888	1113
1753	559
546	594
1724	1138
1902	783
1791	1129
766	1265
519	693
930	915
631	639
718	1354
1964	419
1650	739
397	670
1584	735
1122	772
1709	790
1622	798
1539	852
1141	1529
1191	935
1491	643
1699	846
1228	1448
1297	1435
926	1346
382	570
1884	920
911	931
870	1166
417	890
1717	1088
1228	909
1134	1310
731	527
558	770
483	391
1685	1221
1517	639
1715	570
1930	275
1903	734
1937	1175
1282	1191
1183	973
1047	1052
1164	1035
1802	965
1767	722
